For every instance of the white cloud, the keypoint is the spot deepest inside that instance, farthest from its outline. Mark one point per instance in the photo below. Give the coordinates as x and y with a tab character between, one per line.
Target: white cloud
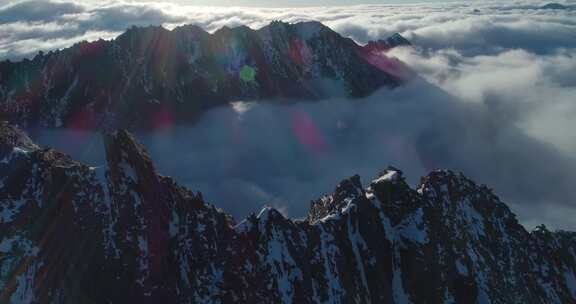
498	26
534	92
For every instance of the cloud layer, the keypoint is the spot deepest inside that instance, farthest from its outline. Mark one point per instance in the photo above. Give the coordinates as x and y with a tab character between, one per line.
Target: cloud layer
479	28
496	101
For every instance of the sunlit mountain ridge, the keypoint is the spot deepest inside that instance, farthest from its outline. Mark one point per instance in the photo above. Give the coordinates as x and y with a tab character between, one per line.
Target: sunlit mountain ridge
151	77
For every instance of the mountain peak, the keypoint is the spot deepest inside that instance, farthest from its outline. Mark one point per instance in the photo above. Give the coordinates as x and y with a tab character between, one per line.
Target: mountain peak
347	192
143	30
390	175
309	29
150	77
191	29
122	146
384	45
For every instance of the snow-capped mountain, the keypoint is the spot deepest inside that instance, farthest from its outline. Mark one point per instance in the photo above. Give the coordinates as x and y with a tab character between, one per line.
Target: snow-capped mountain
151	76
70	233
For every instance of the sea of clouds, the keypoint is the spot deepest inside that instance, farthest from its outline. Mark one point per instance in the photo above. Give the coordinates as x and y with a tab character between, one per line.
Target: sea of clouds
495	100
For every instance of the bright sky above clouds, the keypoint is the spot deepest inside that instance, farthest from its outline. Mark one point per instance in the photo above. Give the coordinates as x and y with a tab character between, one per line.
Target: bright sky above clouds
292	3
279	3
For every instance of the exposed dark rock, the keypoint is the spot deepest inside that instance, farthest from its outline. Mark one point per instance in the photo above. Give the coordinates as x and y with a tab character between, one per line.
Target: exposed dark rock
70	233
151	77
384	45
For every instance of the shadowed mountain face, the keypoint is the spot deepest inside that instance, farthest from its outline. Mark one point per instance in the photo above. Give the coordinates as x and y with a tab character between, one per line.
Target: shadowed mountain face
122	233
152	77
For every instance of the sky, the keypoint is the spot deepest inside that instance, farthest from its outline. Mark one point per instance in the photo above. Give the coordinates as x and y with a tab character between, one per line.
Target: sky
292	3
494	100
262	3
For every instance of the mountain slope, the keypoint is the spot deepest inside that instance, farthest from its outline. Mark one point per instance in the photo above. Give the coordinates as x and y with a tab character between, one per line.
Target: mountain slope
70	233
152	77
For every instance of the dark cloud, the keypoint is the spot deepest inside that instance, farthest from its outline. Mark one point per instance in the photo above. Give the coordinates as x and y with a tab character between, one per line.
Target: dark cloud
38	10
121	17
29	26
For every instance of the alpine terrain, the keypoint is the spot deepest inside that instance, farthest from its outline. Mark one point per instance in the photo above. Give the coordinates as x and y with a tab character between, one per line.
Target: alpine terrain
123	233
150	77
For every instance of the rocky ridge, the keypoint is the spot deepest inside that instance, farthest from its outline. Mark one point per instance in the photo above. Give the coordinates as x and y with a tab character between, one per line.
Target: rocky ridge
150	77
70	233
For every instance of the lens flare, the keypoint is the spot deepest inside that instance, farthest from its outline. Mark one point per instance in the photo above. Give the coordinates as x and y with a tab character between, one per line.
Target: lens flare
307	133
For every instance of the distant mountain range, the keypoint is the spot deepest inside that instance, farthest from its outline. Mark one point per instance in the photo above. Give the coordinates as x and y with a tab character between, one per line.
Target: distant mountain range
70	233
554	5
149	77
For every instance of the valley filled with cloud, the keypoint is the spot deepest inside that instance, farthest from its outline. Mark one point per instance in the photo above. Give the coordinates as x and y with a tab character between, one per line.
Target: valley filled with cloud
495	99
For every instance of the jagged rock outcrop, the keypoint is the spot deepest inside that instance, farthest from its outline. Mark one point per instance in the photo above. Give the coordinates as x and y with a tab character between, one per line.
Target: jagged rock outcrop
387	44
70	233
152	77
